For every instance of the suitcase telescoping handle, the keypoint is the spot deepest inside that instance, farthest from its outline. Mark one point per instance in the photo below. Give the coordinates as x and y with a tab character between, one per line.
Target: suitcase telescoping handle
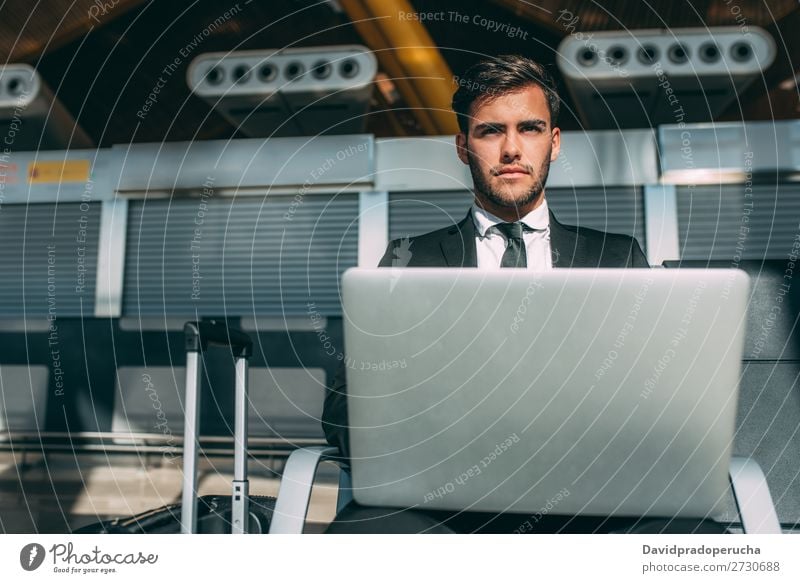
199	336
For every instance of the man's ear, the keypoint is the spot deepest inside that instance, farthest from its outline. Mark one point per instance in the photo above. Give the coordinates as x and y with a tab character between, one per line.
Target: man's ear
461	147
556	143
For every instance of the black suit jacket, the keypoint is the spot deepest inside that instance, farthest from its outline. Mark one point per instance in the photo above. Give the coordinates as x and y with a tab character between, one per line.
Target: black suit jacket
455	246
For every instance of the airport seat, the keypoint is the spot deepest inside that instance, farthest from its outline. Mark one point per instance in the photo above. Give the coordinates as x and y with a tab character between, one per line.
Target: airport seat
768	414
748	487
297	481
767	421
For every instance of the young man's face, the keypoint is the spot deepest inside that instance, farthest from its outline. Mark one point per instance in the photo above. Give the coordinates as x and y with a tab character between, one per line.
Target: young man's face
509	146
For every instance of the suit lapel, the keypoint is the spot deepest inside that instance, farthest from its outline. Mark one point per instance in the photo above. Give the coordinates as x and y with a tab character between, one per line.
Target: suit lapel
458	246
568	247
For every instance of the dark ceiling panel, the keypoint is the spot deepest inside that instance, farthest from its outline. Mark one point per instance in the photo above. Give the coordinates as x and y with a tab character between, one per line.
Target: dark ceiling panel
28	29
107	75
624	14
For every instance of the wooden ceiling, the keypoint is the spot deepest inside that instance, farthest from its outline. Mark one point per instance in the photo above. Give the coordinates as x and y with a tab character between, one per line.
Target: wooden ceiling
103	57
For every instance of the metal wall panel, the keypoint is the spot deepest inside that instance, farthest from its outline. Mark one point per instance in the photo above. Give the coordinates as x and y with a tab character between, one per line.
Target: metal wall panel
728	151
248	258
53	176
735	222
49	261
246	163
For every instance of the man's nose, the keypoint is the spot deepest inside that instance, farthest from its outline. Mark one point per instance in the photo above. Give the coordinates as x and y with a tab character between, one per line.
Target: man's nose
511	150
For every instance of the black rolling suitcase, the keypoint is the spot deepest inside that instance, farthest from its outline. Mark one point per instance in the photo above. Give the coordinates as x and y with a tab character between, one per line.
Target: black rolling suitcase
239	513
213	517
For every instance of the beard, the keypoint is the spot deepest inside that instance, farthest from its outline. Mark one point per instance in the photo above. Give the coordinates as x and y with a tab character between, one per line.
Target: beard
505	197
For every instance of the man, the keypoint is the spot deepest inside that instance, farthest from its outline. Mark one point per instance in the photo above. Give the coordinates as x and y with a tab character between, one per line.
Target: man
507	110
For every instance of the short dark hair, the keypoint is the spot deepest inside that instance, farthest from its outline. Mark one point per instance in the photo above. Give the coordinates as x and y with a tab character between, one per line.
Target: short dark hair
496	76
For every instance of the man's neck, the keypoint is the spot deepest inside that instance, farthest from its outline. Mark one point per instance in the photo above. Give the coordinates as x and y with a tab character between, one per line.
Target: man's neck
509	214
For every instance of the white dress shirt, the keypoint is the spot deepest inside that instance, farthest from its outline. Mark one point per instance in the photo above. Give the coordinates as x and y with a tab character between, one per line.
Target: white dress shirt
491	245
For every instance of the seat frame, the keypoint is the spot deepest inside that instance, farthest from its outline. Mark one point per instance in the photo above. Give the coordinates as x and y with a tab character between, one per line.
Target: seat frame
748	485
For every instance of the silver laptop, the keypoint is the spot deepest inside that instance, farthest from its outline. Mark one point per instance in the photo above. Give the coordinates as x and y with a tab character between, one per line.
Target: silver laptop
601	392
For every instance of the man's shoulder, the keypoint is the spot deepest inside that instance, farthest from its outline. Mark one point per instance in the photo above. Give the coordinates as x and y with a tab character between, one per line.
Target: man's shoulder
419	250
429	238
606	249
590	234
598	235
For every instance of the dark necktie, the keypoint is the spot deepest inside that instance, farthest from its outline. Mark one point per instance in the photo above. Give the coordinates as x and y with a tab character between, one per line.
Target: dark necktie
515	255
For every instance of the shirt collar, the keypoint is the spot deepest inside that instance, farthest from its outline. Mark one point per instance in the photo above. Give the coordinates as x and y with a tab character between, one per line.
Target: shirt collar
538	219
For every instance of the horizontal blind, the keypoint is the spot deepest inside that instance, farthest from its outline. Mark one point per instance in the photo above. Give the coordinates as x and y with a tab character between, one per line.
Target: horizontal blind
613	210
248	256
725	222
49	259
415	213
